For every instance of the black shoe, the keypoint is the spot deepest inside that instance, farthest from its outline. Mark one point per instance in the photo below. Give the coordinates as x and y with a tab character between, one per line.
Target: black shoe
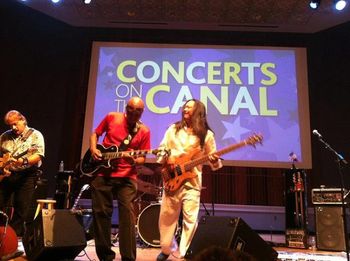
162	257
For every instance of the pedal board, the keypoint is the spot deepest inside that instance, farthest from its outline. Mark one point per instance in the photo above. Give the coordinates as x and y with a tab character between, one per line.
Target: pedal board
296	238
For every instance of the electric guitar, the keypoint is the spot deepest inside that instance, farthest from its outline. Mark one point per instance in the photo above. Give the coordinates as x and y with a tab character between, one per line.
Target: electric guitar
182	169
6	162
74	209
88	166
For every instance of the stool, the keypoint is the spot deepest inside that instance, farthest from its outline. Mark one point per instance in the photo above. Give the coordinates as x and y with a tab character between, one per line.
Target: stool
44	204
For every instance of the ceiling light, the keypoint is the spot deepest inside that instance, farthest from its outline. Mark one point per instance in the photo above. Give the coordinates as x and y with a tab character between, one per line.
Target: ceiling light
314	4
339	4
87	2
55	1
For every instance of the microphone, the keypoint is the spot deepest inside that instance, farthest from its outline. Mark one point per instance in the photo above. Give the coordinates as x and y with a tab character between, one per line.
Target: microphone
316	133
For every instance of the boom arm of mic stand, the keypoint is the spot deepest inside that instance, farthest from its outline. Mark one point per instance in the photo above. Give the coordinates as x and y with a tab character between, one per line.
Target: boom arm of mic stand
339	156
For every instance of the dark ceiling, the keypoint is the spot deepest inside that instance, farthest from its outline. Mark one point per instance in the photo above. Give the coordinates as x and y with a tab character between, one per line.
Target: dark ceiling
225	15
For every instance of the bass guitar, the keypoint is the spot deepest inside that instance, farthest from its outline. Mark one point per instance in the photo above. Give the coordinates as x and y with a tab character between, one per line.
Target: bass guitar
88	166
182	169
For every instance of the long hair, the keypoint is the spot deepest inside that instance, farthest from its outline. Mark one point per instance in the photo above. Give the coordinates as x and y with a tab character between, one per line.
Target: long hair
199	121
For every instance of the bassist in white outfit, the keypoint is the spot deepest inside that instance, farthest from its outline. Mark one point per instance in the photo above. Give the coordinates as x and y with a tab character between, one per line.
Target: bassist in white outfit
188	139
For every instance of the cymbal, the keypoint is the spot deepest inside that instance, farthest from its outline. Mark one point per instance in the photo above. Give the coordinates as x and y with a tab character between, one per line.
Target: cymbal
147	187
143	170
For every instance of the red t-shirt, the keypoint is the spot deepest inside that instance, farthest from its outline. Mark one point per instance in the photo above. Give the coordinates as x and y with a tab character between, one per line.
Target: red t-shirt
114	125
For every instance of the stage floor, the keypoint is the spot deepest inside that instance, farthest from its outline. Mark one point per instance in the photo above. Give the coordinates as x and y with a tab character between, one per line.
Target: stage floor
146	253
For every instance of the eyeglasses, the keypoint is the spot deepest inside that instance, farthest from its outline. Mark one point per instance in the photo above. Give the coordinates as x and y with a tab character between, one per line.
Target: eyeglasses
130	109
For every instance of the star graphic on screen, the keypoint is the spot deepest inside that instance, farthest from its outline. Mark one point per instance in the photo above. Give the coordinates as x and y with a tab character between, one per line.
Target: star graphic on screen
234	129
105	61
286	140
108	85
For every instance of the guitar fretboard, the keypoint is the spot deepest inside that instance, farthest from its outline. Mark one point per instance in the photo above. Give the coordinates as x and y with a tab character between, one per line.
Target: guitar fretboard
190	165
121	154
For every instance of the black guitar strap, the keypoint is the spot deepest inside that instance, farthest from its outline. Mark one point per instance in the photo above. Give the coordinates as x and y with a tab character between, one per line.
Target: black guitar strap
127	140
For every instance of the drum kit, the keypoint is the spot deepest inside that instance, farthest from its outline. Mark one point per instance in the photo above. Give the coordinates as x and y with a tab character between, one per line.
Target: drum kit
147	207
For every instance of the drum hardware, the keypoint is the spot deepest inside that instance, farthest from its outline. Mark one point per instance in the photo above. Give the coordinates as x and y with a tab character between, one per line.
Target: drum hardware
146	187
142	170
160	194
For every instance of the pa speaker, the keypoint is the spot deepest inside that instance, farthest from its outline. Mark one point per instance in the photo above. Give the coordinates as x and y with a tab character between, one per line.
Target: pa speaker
330	228
54	235
229	232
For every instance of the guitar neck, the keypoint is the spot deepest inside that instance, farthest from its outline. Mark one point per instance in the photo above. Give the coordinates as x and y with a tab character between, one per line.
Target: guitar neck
121	154
77	199
193	163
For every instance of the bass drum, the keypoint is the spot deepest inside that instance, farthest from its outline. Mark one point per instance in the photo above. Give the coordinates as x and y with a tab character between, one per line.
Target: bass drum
147	225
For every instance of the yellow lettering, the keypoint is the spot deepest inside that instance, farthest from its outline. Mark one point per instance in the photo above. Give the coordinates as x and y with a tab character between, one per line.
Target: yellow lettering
150	99
272	76
264	111
231	70
120	71
207	95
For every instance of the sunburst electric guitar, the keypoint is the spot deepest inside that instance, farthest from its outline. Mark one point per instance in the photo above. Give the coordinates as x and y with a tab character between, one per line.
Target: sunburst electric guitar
6	162
88	166
183	168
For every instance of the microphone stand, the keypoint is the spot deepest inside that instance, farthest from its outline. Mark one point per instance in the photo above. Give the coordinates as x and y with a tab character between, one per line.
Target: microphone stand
341	163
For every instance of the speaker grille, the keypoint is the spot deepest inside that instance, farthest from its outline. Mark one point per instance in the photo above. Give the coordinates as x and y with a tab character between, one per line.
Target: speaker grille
330	228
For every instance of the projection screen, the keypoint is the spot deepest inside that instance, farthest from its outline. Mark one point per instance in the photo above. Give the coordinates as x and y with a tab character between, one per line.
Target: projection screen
245	89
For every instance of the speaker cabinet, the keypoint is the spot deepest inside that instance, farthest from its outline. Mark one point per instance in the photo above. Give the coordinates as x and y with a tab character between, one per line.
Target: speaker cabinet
330	228
54	235
229	232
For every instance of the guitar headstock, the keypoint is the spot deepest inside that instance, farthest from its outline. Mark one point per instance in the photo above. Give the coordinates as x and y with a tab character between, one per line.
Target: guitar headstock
85	187
252	140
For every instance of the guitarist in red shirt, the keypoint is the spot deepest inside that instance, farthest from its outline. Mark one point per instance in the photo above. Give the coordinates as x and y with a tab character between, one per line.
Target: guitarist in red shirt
126	131
186	140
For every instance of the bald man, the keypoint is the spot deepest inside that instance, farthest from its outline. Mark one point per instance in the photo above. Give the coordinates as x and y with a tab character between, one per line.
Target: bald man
125	131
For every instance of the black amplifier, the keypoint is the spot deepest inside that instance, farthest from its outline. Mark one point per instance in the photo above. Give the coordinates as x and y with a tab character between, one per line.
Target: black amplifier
321	196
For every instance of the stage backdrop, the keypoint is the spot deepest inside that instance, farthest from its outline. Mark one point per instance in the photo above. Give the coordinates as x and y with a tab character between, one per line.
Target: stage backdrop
246	90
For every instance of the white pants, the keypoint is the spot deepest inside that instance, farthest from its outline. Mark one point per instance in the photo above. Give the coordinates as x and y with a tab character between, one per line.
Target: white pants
188	200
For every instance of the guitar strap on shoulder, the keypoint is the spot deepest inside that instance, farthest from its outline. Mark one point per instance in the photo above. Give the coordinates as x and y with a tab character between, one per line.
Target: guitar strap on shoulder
23	139
127	140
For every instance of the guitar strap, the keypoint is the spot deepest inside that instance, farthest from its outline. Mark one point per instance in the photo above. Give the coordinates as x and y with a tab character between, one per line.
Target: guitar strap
23	139
127	140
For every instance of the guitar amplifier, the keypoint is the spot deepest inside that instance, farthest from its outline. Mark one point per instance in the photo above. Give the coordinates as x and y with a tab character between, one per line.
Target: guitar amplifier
331	196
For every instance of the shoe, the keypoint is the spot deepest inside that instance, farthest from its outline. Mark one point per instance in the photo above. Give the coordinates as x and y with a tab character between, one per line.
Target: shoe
162	257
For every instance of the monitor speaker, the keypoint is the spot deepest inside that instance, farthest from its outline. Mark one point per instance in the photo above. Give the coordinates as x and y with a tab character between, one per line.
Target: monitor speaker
54	235
330	228
229	232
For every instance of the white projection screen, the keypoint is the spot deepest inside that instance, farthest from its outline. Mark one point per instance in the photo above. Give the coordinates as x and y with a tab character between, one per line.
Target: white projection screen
246	90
